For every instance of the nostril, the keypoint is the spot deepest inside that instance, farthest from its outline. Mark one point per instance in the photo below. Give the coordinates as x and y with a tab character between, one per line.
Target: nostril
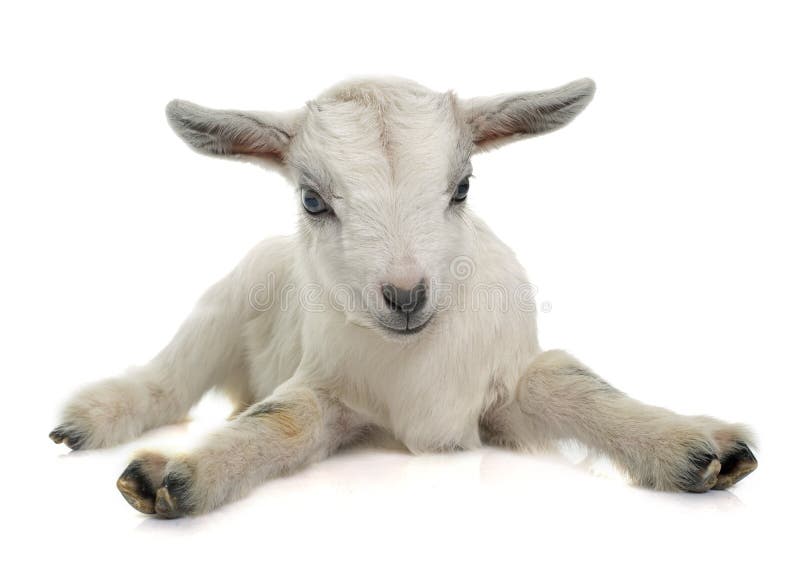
404	300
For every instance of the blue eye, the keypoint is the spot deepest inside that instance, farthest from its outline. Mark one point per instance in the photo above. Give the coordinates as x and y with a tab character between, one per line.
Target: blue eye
312	202
461	190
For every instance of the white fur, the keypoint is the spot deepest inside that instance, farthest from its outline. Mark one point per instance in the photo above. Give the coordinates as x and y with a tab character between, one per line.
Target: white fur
386	155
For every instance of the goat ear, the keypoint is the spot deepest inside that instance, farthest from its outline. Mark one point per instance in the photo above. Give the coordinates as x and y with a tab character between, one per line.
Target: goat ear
232	132
508	117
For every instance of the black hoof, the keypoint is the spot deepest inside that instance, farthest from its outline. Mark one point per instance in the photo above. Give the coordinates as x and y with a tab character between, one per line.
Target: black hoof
736	464
172	498
702	473
69	436
135	487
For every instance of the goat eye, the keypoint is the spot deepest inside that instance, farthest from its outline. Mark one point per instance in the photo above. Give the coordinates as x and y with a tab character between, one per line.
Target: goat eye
461	190
312	201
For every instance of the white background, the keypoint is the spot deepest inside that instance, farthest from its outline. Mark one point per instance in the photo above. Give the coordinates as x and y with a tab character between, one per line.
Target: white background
660	227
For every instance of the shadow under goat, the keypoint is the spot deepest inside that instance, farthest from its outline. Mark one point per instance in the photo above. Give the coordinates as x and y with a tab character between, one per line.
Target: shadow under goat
392	307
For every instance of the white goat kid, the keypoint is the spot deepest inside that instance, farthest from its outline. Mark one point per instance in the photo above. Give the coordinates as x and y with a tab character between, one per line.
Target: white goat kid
401	333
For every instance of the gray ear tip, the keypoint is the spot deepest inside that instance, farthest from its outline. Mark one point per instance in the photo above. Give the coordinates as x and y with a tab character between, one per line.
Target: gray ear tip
585	86
179	112
177	108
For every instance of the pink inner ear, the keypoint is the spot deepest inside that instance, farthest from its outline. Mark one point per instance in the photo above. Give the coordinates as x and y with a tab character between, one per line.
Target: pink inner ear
484	133
250	150
487	132
490	123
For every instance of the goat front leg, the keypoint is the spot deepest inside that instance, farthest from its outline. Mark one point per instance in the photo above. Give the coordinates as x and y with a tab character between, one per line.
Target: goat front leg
560	398
293	428
203	352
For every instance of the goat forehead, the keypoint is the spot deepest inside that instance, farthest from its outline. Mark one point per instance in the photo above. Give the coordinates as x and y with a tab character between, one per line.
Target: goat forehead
391	142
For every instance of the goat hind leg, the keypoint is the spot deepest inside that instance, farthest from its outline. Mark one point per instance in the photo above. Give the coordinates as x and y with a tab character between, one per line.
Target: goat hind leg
560	398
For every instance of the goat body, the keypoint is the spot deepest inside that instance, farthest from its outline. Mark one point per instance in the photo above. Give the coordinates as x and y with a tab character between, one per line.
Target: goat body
392	307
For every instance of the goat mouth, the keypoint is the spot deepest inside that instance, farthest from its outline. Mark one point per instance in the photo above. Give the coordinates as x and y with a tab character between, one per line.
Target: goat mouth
408	330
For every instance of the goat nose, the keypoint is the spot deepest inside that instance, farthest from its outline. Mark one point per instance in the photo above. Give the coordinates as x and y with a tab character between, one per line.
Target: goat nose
404	300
